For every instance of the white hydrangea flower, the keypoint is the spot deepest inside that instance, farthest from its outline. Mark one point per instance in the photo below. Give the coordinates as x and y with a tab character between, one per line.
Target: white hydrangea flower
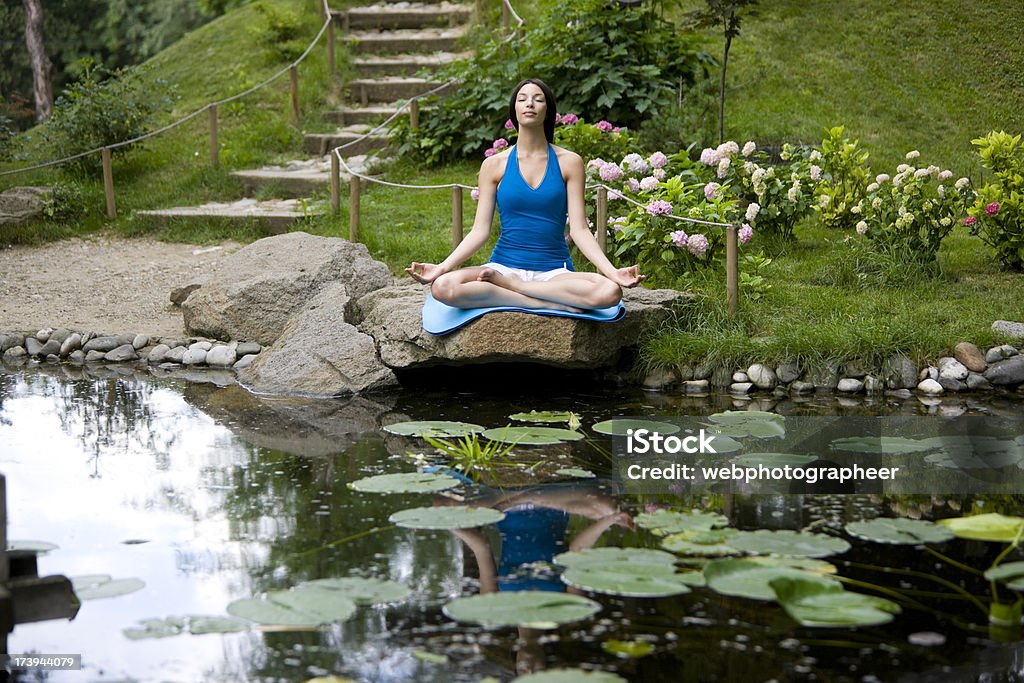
941	191
913	154
823	201
933	170
945	175
723	167
749	148
882	178
872	187
962	183
927	205
815	155
752	210
903	168
922	173
659	173
855	208
862	228
876	203
815	172
794	194
945	221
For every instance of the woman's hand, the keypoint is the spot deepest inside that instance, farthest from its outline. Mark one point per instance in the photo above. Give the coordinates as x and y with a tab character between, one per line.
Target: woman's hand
425	273
627	277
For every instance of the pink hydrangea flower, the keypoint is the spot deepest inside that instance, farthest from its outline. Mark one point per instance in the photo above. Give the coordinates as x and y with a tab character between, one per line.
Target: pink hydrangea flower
604	126
659	173
610	172
992	209
658	160
746	233
711	191
649	183
616	129
697	244
709	157
970	220
595	163
500	143
509	125
619	223
659	207
679	238
569	119
632	184
634	163
614	195
490	152
474	194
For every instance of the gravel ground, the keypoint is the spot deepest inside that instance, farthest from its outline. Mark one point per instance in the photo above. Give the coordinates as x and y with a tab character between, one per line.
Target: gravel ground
104	285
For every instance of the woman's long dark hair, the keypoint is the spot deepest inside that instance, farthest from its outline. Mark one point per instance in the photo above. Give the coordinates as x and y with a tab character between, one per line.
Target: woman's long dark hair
549	99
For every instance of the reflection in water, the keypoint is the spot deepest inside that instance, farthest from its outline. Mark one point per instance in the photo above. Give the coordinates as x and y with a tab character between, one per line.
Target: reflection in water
209	495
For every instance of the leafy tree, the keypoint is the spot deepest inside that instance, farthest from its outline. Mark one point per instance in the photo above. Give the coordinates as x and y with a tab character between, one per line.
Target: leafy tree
725	14
42	86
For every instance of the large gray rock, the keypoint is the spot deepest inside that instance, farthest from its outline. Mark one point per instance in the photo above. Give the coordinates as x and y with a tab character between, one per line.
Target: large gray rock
1006	372
1009	328
899	372
319	354
22	204
260	288
393	317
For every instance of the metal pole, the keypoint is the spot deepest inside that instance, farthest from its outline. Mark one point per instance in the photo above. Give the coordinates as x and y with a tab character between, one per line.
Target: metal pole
353	209
294	72
335	183
602	218
108	183
456	215
732	269
214	143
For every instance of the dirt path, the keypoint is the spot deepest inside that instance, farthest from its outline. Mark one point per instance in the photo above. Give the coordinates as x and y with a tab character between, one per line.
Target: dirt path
105	285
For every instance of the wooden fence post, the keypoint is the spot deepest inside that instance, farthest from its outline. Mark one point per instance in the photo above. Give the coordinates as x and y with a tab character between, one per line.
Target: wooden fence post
456	215
335	183
214	142
353	209
602	218
414	113
732	267
294	72
108	183
506	18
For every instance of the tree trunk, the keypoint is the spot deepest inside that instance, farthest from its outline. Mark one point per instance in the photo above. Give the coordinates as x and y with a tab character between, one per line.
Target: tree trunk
721	90
42	87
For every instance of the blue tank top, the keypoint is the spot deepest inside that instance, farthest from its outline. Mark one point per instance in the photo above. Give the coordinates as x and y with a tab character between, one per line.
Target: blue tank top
532	219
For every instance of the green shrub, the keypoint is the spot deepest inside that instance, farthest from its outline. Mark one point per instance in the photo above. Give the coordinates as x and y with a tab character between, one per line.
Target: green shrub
103	108
998	213
65	203
845	174
281	33
603	61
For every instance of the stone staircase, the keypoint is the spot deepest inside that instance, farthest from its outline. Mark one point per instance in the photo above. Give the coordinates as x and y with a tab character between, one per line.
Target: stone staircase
392	42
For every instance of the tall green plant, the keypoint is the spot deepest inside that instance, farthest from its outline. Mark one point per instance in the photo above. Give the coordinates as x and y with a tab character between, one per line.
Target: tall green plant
843	176
998	213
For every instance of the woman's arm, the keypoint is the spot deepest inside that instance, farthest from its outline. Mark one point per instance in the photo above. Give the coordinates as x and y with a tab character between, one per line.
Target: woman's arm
490	175
579	231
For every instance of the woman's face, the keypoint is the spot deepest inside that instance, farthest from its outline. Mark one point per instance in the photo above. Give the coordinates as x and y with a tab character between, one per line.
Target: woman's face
530	105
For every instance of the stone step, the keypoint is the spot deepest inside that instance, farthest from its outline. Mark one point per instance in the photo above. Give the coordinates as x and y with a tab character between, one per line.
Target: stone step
425	40
403	15
403	65
322	143
389	89
362	115
276	215
299	178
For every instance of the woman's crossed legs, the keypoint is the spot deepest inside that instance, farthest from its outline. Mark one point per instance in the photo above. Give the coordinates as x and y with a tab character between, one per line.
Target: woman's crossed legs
485	286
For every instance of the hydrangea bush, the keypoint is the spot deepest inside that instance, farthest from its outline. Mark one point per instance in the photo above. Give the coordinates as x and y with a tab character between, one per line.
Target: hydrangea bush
997	216
911	212
842	176
590	140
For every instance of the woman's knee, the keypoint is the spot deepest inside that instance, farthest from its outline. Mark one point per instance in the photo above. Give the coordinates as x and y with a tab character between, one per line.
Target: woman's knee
606	293
443	288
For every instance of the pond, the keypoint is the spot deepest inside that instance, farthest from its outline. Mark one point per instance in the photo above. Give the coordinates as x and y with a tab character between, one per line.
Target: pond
190	496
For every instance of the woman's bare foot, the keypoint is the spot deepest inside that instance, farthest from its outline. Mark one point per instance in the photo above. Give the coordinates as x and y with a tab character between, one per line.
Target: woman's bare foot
505	282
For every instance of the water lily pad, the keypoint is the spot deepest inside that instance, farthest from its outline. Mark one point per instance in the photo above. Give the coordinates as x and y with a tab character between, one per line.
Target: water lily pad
362	591
433	428
37	547
975	452
899	531
598	557
991	526
817	602
532	436
788	543
629	579
532	609
628	649
405	482
774	459
665	522
195	624
542	416
298	607
749	423
891	445
1011	573
577	472
701	543
446	517
101	586
752	577
619	427
570	676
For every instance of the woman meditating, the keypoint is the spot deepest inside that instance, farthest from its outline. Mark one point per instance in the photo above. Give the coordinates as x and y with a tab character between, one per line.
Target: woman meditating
534	185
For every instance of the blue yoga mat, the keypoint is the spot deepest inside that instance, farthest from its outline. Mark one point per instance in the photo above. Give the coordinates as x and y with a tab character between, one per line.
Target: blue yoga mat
439	318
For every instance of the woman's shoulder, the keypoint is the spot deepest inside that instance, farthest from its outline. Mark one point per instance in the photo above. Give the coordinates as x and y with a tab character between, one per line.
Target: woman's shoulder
495	164
567	159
